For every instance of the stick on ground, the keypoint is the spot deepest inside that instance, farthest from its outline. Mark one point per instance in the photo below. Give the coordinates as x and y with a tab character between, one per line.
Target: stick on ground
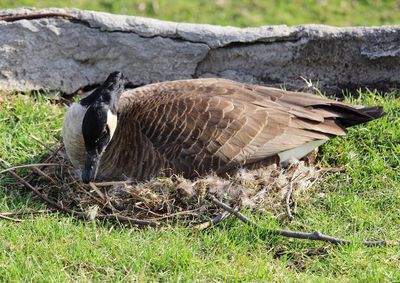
217	219
316	236
11	219
288	198
30	212
27	166
6	215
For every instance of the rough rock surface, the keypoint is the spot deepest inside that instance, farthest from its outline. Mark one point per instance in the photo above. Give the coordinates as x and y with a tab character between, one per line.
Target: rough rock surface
70	53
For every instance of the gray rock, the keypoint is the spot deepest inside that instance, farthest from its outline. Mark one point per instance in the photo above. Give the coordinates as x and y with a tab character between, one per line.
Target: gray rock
70	53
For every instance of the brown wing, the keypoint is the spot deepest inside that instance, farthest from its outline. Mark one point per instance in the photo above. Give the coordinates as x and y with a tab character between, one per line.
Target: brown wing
214	124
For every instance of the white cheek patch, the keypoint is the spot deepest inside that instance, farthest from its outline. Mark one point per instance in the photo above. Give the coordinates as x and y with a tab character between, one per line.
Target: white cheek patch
72	135
111	122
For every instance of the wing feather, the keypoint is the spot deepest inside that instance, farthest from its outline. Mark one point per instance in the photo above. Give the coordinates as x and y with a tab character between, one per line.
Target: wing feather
216	124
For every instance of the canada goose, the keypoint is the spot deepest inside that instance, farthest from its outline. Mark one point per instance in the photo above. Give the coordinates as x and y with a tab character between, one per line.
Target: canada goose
196	126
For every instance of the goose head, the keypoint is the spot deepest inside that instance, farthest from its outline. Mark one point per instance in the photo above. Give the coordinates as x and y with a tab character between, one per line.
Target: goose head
90	125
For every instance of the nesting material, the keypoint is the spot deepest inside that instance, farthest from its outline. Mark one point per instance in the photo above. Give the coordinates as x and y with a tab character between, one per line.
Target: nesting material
267	190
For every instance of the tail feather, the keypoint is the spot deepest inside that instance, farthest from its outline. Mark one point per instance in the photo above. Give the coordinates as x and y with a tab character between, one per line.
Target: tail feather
348	115
362	115
374	112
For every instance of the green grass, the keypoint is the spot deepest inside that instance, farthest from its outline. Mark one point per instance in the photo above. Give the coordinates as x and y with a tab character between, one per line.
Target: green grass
241	12
361	204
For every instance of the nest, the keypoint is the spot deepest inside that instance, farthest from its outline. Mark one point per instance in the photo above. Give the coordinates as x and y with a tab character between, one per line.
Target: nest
176	199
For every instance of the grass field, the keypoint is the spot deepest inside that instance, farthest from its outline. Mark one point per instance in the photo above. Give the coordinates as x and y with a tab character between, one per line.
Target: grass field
363	203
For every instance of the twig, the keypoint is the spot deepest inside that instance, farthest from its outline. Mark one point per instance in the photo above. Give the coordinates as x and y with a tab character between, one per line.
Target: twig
9	218
40	172
117	183
76	214
186	212
128	220
24	212
5	215
104	197
231	210
41	143
27	166
82	189
98	192
217	219
49	158
147	210
316	236
288	197
55	152
109	203
341	169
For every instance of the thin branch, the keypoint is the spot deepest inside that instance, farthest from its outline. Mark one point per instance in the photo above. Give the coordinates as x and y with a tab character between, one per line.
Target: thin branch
98	192
104	197
117	183
126	219
54	153
30	177
12	219
25	212
92	196
186	212
76	214
147	210
231	210
316	236
27	166
290	193
43	174
288	197
341	169
217	219
41	143
5	215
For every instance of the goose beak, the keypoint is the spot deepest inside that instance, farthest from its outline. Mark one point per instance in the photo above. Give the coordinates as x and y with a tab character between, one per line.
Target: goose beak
90	170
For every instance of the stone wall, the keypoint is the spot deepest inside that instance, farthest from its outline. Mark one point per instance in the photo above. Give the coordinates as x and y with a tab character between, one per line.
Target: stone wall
68	49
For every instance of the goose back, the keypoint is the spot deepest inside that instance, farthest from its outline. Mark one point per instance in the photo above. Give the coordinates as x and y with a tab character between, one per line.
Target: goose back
196	126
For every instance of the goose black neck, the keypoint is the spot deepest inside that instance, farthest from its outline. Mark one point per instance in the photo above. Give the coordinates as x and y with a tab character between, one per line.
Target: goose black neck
108	93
